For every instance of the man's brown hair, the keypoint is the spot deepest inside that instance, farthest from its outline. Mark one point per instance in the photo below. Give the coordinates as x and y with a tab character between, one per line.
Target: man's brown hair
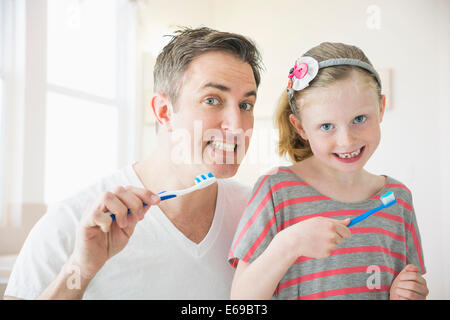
186	44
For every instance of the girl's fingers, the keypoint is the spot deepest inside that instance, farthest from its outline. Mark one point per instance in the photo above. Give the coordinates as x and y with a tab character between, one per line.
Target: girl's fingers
413	286
409	294
338	239
342	230
412	276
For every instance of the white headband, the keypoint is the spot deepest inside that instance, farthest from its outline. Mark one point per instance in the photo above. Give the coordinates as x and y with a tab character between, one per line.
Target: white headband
306	69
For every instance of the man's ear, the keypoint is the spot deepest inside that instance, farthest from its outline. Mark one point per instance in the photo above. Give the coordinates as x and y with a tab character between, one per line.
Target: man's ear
162	109
382	106
298	126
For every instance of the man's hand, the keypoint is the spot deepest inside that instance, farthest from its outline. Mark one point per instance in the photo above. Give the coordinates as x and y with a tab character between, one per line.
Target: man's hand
409	285
98	237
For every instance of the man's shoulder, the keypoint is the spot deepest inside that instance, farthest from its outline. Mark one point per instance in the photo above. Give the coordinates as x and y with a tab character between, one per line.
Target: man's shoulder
235	189
80	200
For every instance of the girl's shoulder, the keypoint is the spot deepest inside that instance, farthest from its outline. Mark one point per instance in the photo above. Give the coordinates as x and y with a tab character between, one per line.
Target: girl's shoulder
276	175
400	189
275	179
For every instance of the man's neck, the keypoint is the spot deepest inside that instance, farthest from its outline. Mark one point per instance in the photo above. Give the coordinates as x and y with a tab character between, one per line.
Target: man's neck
193	213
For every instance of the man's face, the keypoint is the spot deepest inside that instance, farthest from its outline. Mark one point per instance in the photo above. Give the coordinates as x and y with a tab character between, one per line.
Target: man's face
215	107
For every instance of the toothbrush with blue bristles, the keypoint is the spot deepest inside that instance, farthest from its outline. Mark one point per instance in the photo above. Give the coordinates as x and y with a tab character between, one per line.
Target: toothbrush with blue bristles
201	181
387	199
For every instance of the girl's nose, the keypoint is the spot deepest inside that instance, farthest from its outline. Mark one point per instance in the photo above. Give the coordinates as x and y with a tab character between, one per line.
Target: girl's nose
345	138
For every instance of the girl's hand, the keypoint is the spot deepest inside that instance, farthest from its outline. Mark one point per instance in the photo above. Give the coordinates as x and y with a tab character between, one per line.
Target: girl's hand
317	237
409	285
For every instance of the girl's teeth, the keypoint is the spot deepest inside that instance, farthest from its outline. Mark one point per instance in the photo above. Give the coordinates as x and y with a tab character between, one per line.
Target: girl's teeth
223	146
349	155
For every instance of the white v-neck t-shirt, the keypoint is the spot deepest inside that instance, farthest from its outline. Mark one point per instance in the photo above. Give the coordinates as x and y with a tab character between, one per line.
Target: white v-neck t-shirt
159	262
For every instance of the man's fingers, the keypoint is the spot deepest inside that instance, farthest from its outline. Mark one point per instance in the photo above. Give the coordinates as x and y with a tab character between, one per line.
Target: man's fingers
131	201
112	204
136	200
102	220
145	195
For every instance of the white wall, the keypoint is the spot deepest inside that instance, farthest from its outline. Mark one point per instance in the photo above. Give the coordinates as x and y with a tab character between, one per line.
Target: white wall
412	41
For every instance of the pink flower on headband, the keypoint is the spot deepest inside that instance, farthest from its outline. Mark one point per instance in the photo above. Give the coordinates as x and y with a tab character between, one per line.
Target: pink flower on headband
304	71
299	71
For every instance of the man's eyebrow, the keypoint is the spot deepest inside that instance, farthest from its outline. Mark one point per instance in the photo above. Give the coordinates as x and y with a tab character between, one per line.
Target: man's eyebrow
226	89
216	86
250	93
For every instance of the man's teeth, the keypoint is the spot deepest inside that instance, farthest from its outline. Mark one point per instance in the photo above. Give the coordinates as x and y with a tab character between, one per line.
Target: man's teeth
223	146
349	155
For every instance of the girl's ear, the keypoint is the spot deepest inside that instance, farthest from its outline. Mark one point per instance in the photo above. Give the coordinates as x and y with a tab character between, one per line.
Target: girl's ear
298	126
382	106
162	109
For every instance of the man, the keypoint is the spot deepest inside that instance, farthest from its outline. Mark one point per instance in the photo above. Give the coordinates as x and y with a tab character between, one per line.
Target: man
205	84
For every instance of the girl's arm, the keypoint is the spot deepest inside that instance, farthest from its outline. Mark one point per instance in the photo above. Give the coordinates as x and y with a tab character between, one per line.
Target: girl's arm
258	280
313	238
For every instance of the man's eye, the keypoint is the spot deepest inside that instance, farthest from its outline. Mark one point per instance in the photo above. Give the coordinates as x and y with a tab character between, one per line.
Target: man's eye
326	127
246	106
359	119
212	101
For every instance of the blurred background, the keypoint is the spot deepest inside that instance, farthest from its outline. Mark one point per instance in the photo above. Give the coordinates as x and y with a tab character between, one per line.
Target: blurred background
76	77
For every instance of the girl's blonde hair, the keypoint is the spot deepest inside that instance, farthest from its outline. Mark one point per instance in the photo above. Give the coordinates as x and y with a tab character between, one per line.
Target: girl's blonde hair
290	142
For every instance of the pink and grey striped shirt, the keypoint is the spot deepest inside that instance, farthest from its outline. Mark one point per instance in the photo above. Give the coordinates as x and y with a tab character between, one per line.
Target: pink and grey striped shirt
362	267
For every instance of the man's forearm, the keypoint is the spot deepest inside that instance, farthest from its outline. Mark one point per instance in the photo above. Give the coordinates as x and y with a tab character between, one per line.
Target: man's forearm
68	285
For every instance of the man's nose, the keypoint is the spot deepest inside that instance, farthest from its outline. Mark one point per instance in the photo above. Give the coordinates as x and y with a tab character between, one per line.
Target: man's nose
232	119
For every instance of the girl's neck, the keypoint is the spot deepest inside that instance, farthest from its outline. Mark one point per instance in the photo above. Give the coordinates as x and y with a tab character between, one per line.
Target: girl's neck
342	186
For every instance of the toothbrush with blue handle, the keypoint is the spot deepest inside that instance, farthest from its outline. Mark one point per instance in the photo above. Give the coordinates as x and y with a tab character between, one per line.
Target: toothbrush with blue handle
387	199
201	181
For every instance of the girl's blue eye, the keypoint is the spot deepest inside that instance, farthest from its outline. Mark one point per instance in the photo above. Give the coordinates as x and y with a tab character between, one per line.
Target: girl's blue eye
359	119
246	106
326	127
212	101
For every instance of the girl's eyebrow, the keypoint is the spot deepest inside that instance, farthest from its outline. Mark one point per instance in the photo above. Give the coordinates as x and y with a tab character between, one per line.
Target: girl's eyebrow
221	87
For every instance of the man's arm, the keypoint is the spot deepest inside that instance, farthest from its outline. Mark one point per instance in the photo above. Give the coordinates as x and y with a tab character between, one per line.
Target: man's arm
68	285
98	239
11	298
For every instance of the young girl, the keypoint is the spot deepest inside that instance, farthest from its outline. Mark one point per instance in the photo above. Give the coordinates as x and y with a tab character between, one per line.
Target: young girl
292	241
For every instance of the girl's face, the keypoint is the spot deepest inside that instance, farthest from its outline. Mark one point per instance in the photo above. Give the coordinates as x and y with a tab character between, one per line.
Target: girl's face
342	122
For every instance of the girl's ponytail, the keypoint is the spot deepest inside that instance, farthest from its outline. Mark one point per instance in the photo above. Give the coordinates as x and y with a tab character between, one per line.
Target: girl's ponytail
290	142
